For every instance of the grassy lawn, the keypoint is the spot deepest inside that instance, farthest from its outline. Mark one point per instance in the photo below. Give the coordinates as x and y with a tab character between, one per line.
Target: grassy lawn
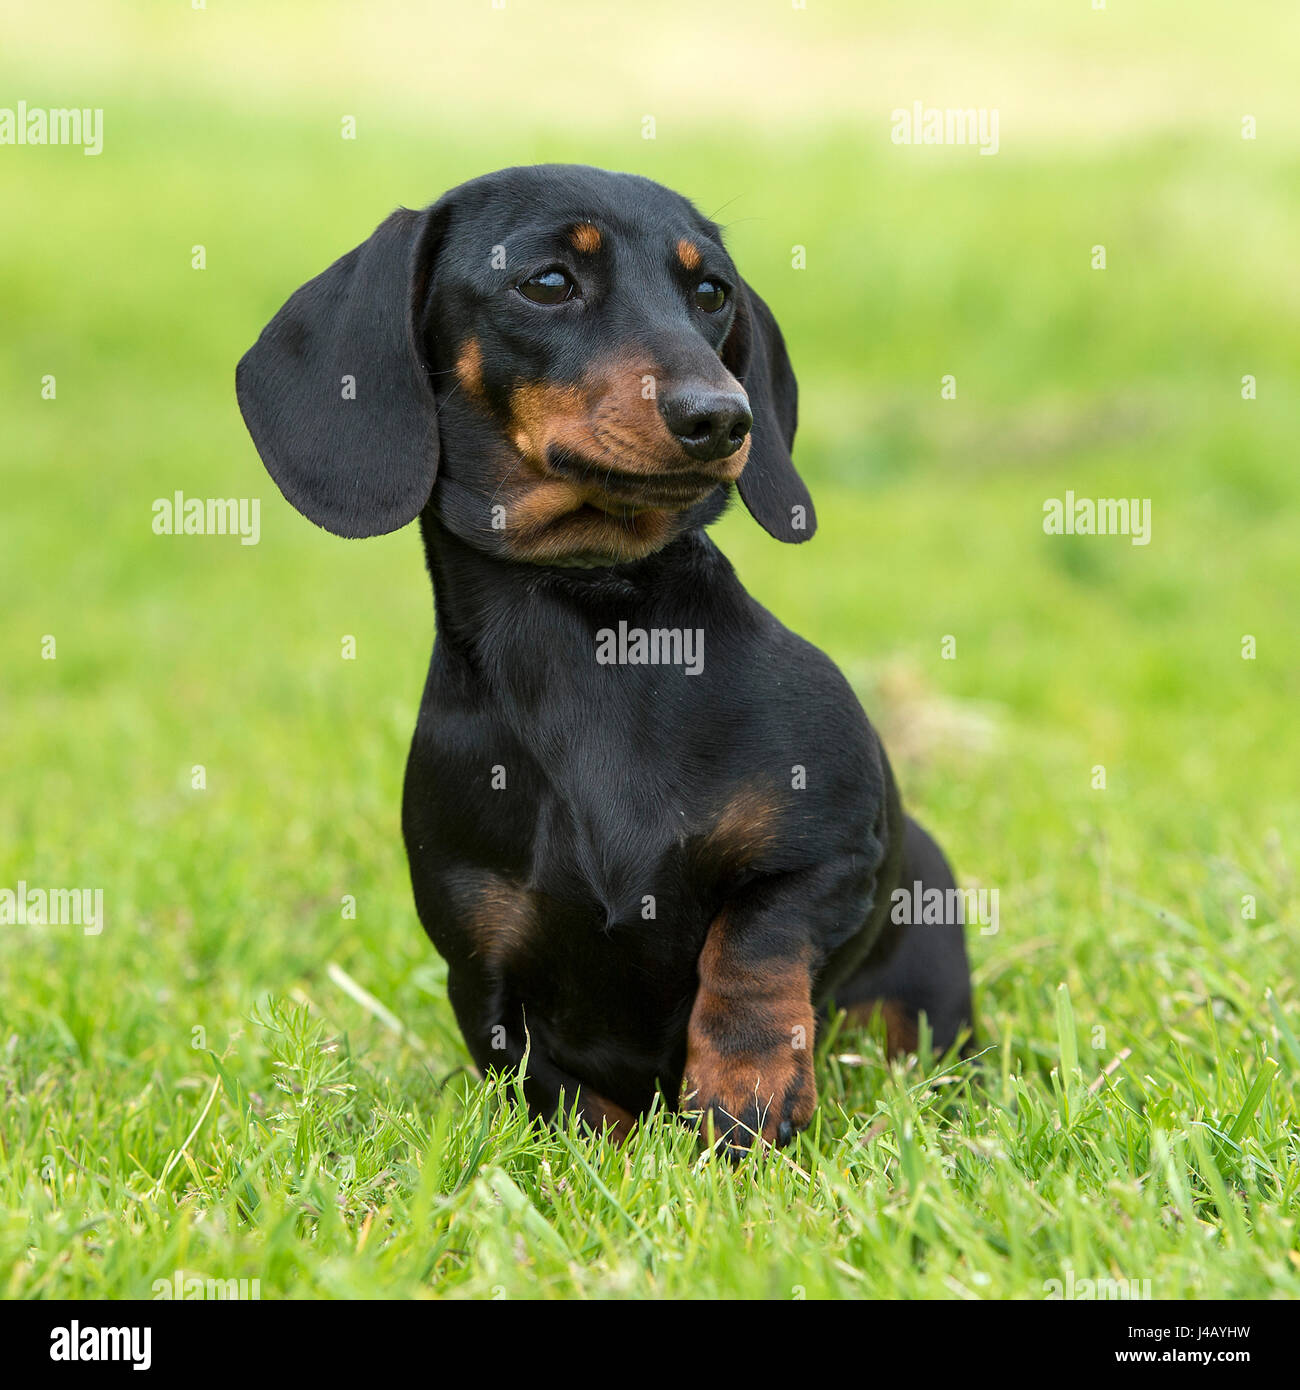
237	1078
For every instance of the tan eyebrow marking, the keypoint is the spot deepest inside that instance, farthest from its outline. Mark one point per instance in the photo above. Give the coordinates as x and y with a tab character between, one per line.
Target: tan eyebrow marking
584	237
689	254
469	367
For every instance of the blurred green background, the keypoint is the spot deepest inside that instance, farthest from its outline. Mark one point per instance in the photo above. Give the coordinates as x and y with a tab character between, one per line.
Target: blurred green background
222	128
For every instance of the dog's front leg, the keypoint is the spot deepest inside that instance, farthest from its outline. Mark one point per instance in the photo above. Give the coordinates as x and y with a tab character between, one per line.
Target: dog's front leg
749	1051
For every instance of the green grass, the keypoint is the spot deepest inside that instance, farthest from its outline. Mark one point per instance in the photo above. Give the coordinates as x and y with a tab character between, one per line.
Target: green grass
237	1080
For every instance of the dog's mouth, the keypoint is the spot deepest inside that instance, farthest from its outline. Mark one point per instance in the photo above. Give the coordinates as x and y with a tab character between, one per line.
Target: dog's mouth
616	491
586	512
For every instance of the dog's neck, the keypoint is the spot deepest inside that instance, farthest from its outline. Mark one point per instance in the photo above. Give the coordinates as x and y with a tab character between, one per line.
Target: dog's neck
488	608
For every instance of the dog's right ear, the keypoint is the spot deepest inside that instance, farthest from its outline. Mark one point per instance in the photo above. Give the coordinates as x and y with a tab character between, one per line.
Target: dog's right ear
336	392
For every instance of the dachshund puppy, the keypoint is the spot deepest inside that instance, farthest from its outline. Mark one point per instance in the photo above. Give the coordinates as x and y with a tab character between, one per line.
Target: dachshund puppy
649	828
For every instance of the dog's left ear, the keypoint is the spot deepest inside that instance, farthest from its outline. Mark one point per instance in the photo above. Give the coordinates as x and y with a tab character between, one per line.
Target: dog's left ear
755	354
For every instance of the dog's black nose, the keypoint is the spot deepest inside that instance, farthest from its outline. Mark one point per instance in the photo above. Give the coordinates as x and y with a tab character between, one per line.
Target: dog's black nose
708	424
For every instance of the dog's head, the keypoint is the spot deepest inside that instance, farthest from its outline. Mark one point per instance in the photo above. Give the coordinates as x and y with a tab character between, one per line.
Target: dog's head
569	353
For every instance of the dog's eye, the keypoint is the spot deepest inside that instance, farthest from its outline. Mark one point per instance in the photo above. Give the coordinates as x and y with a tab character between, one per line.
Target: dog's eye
550	287
710	296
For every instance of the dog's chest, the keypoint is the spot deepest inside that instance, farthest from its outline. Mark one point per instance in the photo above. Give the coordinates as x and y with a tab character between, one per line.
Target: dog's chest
611	842
602	820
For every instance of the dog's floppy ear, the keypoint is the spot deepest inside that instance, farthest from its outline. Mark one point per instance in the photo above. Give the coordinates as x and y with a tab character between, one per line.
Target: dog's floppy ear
336	392
755	354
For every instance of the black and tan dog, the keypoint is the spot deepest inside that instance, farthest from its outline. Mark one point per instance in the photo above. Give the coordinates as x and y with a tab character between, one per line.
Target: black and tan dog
649	828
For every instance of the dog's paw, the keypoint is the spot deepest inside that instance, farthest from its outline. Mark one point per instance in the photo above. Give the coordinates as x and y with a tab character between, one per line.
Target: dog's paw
741	1101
